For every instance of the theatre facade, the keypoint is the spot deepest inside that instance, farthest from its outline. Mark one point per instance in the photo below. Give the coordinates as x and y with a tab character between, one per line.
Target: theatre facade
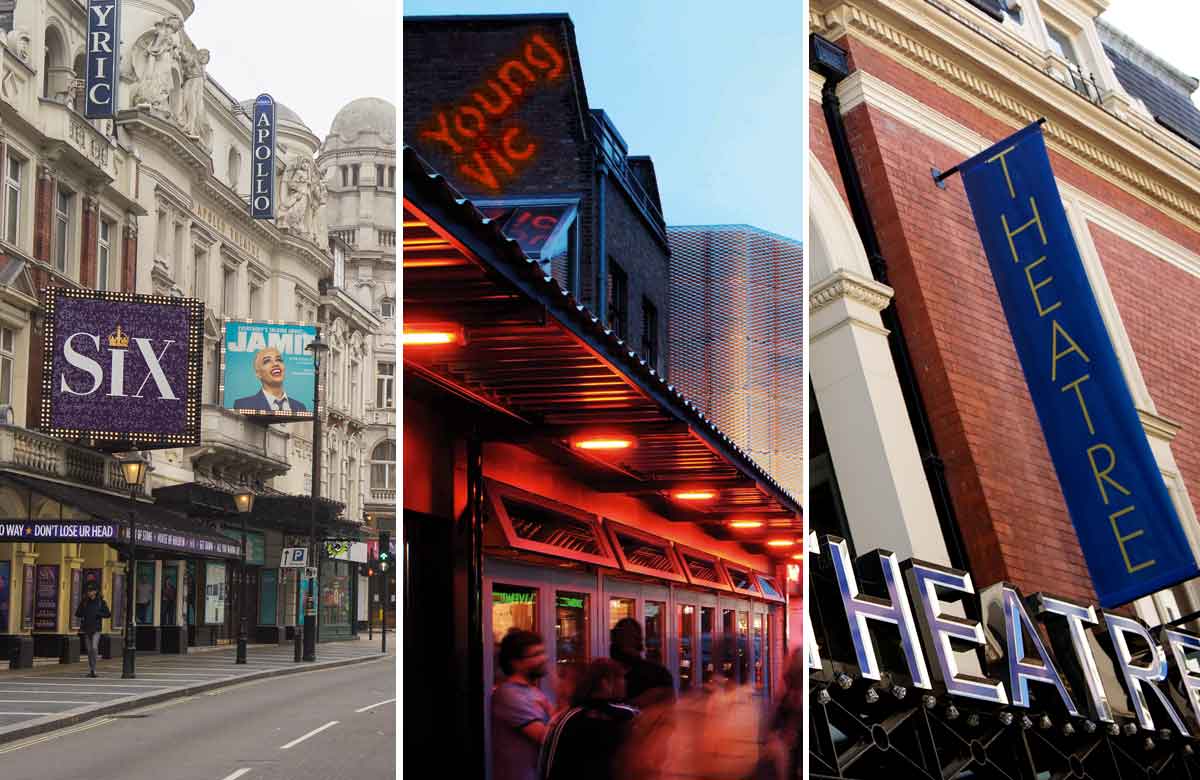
957	628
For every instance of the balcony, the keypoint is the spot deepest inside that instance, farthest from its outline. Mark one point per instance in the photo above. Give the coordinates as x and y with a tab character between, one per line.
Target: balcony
387	238
383	496
36	454
347	235
229	441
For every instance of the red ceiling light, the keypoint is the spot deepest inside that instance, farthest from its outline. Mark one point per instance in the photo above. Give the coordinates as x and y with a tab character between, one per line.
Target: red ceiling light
694	495
745	524
780	543
798	557
602	442
432	335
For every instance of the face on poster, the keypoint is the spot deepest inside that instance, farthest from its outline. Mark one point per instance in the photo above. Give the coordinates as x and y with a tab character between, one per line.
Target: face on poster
267	369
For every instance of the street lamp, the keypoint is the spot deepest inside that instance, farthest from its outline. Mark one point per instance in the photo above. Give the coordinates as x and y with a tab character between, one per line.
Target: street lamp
244	501
134	469
309	633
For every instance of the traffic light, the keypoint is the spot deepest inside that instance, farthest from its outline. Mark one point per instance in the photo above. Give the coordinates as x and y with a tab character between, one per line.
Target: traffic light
385	551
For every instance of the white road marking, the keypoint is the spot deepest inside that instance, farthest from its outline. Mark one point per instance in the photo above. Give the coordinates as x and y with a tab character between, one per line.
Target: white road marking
237	774
376	704
314	732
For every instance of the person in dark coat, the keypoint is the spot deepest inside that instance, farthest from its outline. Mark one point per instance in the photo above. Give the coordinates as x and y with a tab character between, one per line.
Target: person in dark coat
91	611
585	741
646	682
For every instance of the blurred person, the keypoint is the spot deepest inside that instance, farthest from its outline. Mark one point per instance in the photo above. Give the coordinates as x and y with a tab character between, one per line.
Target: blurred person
565	684
520	711
781	755
646	682
583	742
91	612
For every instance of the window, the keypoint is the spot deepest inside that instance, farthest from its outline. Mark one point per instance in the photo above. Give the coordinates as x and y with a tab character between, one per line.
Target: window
619	609
618	292
256	296
383	466
12	199
200	274
650	332
7	358
392	177
164	224
379	179
176	259
1060	44
687	632
63	206
385	379
656	615
104	254
387	308
571	629
234	173
229	292
354	174
345	176
513	606
354	399
1078	80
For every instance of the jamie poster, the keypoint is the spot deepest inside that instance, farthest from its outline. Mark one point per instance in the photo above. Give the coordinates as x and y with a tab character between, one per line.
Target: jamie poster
122	368
267	370
27	597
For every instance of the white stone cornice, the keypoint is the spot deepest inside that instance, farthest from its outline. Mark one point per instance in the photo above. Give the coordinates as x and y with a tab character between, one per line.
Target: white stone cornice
847	284
863	88
1157	425
1007	83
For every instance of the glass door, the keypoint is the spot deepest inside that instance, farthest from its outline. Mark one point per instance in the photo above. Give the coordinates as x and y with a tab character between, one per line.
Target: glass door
655	630
571	629
687	645
513	607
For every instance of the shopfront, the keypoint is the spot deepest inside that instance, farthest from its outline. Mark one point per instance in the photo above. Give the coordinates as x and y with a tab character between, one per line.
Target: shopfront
554	482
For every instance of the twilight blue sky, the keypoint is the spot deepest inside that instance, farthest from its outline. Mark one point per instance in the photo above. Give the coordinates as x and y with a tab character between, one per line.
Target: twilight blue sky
714	96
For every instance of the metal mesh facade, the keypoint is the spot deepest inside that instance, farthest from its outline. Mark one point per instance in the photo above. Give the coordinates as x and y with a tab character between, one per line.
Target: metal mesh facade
736	338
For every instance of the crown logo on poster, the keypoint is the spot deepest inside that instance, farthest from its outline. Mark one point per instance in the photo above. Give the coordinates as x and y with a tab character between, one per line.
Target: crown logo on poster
118	339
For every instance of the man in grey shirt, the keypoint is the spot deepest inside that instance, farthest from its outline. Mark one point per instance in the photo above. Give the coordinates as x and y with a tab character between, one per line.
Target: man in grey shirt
520	711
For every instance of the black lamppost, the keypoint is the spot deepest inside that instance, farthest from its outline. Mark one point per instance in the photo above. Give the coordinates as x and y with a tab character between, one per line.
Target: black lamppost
244	501
318	348
134	469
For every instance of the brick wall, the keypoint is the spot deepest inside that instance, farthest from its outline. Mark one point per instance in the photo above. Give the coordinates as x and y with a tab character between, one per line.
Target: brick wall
1002	482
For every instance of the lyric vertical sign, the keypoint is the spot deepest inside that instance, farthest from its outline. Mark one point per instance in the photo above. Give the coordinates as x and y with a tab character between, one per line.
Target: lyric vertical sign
1128	530
262	159
103	47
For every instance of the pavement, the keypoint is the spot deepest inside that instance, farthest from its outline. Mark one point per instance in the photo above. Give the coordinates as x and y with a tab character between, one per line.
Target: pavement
319	724
34	701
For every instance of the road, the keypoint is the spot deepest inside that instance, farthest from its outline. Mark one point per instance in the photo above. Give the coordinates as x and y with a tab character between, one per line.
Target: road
320	725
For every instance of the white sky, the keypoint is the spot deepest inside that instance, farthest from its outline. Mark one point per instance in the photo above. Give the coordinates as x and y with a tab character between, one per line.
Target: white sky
1165	27
313	56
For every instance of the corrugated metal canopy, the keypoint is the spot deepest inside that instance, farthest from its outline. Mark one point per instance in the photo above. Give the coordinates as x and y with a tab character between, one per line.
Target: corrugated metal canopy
534	355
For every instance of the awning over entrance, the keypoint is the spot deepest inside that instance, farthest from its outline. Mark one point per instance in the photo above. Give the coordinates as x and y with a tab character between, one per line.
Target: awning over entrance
90	517
528	351
273	510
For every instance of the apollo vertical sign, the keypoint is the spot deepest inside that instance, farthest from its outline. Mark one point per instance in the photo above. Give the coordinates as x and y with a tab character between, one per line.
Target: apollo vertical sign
262	159
103	48
1130	534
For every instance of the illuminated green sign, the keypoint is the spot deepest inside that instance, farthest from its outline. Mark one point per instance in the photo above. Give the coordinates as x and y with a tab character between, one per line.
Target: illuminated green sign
512	597
571	602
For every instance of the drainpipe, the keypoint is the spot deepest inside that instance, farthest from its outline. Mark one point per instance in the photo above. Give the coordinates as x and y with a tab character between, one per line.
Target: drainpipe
831	62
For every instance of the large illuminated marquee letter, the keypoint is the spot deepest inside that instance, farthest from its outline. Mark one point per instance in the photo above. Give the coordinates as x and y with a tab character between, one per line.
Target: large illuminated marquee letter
861	609
939	629
1076	615
812	652
1019	633
1181	644
1137	678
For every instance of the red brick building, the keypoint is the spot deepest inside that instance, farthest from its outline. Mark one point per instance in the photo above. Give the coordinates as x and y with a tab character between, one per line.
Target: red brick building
924	437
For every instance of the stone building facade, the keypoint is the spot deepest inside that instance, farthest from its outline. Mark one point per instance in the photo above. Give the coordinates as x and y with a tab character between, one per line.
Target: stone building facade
156	202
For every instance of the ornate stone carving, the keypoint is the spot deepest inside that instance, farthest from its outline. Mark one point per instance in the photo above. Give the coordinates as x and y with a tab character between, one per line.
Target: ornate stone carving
844	284
154	60
20	43
191	104
304	196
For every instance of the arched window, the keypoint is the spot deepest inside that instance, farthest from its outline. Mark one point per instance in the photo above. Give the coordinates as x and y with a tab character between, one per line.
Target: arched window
383	466
80	74
53	63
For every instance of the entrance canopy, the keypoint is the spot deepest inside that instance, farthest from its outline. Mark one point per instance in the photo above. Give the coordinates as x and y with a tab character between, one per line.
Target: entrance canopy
38	510
522	347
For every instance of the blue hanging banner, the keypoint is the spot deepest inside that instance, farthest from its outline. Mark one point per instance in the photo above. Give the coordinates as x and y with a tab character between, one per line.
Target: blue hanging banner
103	48
1130	535
262	159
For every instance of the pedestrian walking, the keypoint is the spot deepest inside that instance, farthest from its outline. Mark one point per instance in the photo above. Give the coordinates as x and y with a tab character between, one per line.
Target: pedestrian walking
520	711
91	611
646	682
584	741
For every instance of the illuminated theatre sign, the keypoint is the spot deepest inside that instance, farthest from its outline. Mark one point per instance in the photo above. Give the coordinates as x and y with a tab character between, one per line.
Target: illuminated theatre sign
1040	653
1128	530
483	132
122	370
